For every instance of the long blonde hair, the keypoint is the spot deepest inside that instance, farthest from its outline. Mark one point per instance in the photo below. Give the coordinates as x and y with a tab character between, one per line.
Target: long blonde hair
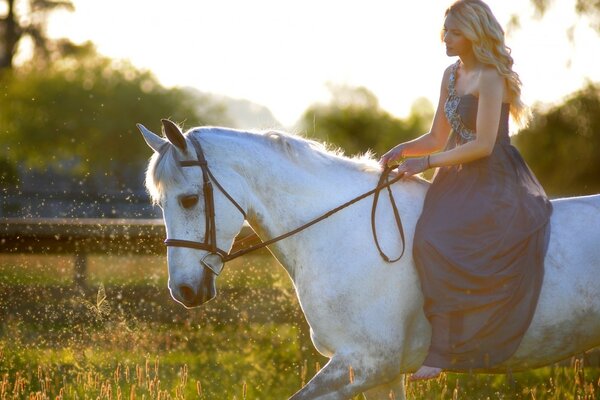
478	24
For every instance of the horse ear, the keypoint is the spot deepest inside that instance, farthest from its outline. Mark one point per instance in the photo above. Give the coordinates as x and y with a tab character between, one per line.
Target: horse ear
174	134
152	139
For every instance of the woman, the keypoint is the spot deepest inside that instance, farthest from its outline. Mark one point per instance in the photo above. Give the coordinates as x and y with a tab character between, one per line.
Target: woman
480	241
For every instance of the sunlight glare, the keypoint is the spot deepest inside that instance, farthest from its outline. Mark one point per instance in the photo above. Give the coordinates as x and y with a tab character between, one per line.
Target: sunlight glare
282	54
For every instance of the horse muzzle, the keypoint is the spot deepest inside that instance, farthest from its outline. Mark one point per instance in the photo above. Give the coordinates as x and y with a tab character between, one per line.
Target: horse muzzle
190	296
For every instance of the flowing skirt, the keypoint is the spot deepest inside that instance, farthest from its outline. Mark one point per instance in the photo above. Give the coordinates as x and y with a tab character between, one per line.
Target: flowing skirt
479	250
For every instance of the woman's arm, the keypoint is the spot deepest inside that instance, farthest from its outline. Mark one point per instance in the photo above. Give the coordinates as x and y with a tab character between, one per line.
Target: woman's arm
491	91
430	142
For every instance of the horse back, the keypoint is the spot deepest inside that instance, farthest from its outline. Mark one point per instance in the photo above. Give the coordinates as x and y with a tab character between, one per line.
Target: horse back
575	227
567	317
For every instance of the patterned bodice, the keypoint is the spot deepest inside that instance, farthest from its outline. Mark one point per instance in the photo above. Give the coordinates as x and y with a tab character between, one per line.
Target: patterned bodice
461	112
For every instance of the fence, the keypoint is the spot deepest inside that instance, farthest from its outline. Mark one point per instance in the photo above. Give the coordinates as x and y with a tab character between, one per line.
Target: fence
83	236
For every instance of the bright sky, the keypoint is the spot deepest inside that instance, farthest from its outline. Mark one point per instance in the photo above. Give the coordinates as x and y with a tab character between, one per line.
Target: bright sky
282	53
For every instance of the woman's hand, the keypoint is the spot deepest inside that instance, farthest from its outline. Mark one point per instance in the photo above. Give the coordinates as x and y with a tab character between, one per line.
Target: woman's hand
391	157
414	166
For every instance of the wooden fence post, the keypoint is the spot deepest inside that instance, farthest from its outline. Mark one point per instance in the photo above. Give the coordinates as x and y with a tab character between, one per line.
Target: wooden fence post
80	270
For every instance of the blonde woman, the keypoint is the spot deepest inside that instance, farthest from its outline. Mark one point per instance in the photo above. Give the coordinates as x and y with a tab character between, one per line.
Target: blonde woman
480	241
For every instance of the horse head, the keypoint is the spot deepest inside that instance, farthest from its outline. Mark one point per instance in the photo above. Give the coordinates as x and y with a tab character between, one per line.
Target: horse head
199	221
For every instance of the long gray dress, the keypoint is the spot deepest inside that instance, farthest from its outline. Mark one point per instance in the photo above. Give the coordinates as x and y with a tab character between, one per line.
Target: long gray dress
479	247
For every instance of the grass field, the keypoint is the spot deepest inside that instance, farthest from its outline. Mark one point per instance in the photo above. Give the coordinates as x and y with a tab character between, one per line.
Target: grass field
124	338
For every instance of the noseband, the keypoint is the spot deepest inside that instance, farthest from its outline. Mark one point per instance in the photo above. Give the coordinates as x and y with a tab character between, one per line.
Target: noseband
210	235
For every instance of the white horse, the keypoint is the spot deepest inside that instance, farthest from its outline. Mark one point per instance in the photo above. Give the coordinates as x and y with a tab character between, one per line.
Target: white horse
364	314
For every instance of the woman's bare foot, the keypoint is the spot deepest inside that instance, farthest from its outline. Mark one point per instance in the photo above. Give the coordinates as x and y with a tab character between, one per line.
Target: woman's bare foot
425	372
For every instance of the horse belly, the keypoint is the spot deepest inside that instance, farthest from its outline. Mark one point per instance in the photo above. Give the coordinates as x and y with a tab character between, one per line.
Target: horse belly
567	317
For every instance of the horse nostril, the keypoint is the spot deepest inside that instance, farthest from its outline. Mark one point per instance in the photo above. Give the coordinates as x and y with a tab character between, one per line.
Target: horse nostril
187	293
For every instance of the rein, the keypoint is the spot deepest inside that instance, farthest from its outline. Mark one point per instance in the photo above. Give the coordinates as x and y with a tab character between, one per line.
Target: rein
384	177
210	242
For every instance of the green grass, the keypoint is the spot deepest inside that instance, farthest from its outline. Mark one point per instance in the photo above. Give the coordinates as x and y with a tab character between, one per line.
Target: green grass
21	269
125	338
220	359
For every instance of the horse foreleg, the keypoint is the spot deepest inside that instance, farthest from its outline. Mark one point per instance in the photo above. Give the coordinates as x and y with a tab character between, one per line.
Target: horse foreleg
344	377
390	391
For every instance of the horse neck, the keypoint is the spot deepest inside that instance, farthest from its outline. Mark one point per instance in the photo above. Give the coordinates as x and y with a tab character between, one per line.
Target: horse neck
289	195
283	193
288	192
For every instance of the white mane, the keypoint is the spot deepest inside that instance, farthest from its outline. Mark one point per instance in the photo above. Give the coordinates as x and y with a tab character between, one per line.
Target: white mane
299	148
164	168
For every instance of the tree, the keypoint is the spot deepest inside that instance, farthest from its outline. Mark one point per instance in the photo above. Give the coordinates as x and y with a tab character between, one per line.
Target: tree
589	8
79	114
562	144
8	174
354	121
13	28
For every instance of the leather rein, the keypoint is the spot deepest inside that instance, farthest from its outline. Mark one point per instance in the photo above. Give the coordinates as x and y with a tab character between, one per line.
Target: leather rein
210	241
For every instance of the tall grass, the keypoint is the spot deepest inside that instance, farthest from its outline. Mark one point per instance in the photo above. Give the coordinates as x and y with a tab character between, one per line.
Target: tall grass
124	338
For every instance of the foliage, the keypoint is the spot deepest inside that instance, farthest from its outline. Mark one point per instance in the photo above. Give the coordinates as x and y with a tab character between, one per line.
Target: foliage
8	173
354	121
79	113
15	27
589	8
562	145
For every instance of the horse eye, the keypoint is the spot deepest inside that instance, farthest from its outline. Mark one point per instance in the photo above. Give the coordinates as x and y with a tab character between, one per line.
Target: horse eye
189	201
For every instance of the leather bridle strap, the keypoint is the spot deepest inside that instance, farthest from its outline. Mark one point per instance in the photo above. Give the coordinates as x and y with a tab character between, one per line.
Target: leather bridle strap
385	178
207	173
210	242
210	233
380	185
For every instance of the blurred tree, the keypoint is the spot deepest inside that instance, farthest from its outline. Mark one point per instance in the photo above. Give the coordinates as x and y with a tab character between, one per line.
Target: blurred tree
8	174
79	114
354	121
562	144
32	24
589	8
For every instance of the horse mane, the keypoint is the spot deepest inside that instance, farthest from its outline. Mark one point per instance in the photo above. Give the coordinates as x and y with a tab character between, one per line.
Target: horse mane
301	149
164	169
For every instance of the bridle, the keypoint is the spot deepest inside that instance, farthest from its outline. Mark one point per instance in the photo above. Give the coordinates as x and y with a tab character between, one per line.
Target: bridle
210	239
210	234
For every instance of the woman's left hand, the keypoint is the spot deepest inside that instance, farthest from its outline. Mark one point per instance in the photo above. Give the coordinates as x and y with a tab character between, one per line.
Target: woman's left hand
413	166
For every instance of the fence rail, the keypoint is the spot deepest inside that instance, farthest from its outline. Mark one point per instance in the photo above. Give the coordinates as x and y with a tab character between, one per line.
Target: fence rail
83	236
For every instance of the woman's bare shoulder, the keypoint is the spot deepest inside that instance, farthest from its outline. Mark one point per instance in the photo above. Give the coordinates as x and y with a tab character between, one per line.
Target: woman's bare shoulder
490	80
446	76
449	70
490	76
